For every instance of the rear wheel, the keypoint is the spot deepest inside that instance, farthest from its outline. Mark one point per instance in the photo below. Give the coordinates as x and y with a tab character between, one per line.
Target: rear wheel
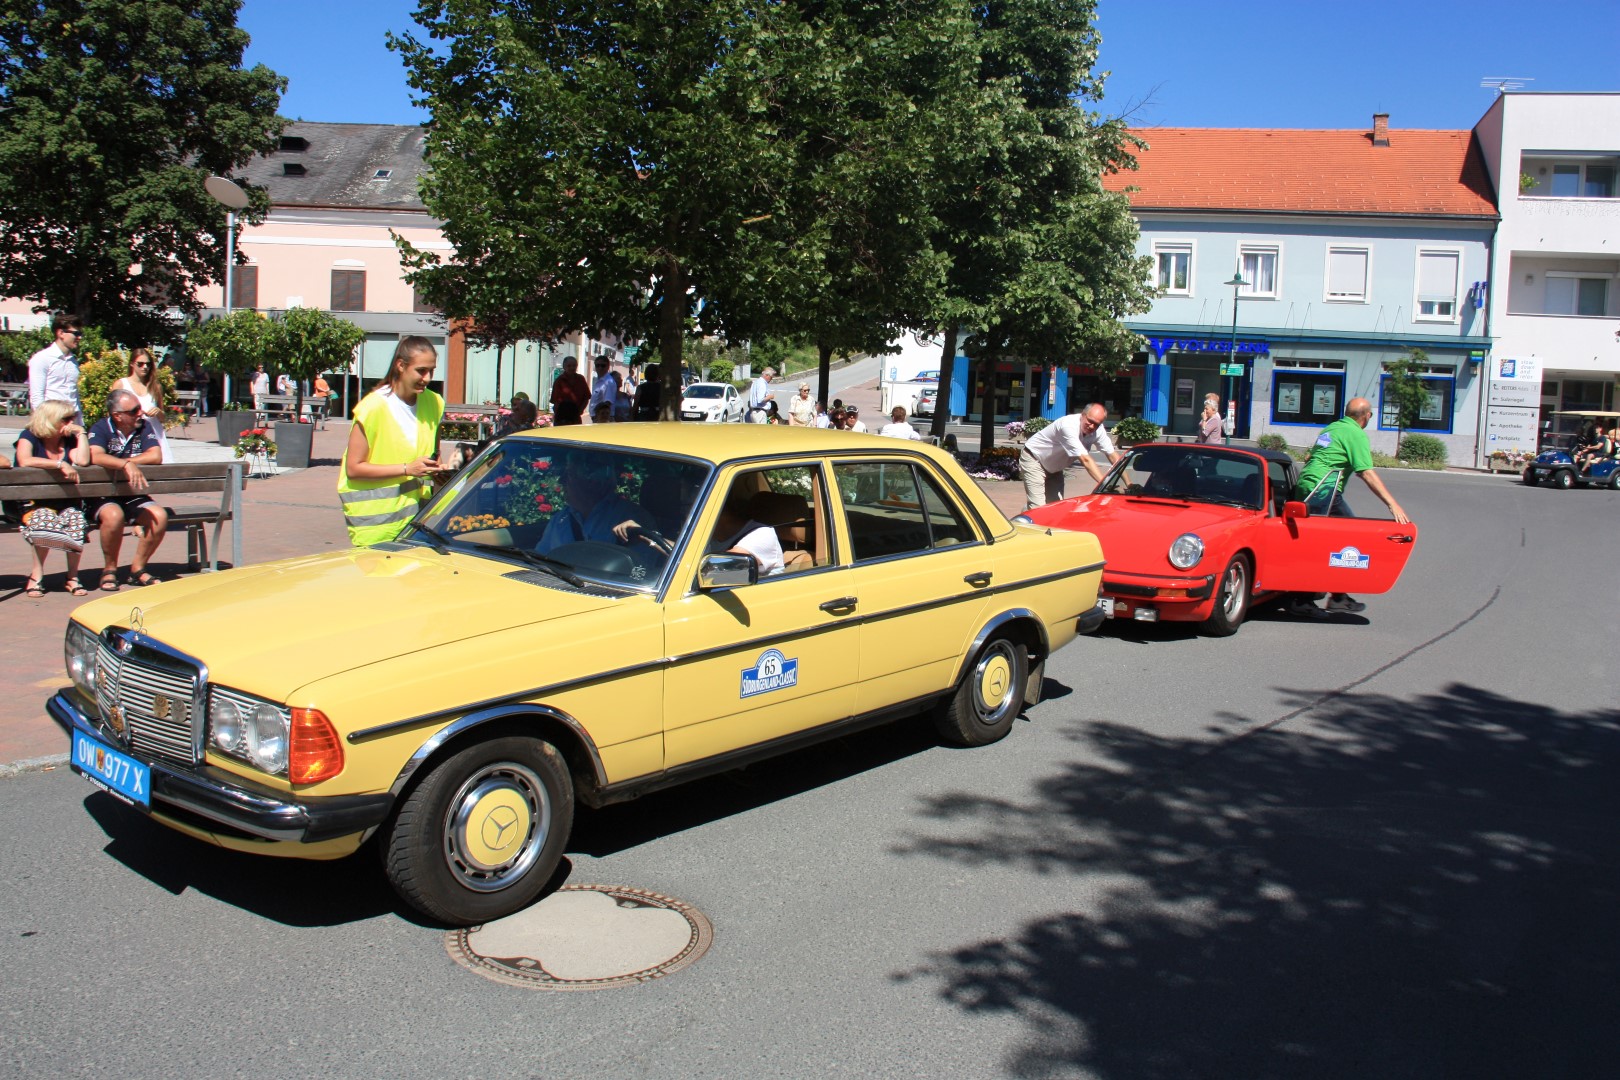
483	832
989	697
1530	476
1563	479
1231	600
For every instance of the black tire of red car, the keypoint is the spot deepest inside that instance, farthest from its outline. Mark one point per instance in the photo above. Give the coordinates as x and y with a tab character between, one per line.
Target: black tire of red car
989	697
447	852
1530	476
1231	600
1563	479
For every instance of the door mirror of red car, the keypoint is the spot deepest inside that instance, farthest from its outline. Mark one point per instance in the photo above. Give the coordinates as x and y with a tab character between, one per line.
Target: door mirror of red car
1295	509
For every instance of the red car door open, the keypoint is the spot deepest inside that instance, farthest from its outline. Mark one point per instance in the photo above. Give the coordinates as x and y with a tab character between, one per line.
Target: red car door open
1332	554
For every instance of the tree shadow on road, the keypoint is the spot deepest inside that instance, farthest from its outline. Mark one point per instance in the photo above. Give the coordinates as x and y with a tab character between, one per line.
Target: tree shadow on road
1421	888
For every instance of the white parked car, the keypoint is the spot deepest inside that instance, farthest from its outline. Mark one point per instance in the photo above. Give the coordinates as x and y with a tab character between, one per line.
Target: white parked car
712	403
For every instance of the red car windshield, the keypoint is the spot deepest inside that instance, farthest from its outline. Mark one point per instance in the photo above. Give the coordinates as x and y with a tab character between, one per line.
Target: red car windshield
1189	474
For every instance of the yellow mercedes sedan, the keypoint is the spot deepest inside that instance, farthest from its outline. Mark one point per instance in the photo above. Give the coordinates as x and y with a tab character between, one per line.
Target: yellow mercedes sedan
584	614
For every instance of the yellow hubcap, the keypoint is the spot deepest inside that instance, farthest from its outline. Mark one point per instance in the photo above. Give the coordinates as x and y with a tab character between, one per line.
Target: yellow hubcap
994	681
497	827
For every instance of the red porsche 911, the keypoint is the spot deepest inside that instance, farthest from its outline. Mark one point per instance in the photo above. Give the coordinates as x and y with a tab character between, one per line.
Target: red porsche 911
1197	533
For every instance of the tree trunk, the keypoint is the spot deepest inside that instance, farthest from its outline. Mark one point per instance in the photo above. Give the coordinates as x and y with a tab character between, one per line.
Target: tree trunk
824	372
498	347
987	411
671	338
947	372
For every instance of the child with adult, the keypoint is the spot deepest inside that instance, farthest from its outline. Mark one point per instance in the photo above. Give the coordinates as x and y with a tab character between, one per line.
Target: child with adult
53	441
393	447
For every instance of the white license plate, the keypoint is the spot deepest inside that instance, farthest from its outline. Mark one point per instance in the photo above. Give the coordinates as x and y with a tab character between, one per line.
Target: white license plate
1107	604
111	771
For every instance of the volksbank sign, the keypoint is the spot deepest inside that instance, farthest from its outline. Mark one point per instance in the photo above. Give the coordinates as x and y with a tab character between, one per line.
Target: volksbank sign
1162	345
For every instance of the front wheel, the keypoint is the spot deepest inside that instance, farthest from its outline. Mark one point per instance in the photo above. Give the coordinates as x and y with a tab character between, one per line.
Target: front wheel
1563	479
1530	476
1231	600
989	697
483	832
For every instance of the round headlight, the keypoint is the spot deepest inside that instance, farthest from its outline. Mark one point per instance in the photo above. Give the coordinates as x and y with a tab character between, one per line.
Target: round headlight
225	719
1186	551
267	739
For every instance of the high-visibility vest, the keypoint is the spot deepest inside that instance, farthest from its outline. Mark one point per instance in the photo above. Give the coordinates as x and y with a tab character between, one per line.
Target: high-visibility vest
377	510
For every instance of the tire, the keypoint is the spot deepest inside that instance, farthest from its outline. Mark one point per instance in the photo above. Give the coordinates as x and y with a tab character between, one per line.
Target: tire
989	697
1563	479
1614	480
1231	600
1530	475
448	853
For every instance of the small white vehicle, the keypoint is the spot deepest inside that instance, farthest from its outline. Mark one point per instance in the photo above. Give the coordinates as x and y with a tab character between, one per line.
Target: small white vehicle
712	403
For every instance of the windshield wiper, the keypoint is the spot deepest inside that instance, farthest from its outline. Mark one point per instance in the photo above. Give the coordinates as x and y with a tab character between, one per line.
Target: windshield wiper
555	567
441	542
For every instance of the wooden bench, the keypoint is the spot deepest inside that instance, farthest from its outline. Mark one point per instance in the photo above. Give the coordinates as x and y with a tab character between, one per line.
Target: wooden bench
14	396
24	485
485	416
284	407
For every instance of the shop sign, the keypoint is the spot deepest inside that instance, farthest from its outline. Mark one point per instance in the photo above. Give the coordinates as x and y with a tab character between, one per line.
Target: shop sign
1161	346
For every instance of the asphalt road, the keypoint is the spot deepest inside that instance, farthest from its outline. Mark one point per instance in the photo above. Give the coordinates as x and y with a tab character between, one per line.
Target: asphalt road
1382	846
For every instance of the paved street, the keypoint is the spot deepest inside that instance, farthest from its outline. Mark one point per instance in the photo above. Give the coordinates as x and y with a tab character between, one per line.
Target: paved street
1378	846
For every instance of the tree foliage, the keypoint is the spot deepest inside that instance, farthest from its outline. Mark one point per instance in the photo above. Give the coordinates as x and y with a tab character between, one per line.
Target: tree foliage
1404	389
231	344
111	115
301	341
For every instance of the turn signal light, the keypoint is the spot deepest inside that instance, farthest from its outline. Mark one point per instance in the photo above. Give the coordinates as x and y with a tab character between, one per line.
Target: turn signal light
317	752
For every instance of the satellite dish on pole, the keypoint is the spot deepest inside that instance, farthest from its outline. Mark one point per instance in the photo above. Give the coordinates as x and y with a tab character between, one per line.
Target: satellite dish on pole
226	192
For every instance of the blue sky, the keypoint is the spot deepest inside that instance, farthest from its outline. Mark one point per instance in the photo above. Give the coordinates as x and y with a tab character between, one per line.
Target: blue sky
1174	63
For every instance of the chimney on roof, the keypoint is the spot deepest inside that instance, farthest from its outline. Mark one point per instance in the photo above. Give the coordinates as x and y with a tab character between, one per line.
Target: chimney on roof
1380	129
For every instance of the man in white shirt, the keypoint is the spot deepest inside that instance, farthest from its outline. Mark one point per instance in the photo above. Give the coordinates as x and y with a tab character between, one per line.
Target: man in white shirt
737	533
604	388
897	428
53	372
1057	446
259	385
759	392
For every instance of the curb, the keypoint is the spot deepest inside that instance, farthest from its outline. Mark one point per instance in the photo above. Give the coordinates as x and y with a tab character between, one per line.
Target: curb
28	765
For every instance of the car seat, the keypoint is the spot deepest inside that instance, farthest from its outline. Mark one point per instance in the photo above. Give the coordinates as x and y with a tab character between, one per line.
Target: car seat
790	516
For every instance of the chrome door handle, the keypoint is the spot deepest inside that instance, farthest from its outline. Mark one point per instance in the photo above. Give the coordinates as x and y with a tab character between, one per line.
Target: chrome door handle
980	579
1398	539
842	605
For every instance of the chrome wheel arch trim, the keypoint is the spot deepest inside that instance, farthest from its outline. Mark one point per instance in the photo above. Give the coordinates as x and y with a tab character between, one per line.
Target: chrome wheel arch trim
489	716
970	654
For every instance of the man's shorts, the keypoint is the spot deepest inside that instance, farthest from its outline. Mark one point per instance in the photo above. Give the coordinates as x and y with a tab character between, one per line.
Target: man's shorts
132	504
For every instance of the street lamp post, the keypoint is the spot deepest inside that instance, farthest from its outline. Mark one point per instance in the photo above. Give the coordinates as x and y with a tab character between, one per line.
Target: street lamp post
233	198
1237	282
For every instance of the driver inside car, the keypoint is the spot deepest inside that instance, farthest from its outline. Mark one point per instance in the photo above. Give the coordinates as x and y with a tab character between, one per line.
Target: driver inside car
593	509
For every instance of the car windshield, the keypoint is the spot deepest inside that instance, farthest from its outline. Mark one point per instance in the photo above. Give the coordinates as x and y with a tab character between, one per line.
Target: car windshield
556	505
1190	474
705	391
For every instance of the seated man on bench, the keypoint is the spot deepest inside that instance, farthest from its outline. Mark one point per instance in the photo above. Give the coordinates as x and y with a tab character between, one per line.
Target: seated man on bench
121	443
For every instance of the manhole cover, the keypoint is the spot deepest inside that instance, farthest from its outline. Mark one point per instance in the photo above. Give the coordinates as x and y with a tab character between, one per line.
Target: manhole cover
585	937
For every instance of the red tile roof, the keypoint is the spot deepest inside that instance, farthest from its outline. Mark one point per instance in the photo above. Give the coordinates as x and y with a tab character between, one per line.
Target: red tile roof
1331	172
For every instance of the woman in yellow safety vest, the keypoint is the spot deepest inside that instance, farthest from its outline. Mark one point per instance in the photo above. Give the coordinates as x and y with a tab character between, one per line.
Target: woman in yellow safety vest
393	446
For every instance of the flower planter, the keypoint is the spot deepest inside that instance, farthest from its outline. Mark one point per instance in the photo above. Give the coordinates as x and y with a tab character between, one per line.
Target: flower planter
293	445
232	422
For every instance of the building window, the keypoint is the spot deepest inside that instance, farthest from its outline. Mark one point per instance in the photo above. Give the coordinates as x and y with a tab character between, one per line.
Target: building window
1437	286
244	287
1312	393
1174	262
1440	384
1583	181
1347	274
348	290
421	306
1577	294
1259	271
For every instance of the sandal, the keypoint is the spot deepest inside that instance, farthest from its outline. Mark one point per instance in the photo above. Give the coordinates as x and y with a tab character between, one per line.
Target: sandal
109	581
72	587
144	578
34	588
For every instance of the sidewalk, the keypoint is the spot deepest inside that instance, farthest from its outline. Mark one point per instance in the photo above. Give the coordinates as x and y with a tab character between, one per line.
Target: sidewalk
293	513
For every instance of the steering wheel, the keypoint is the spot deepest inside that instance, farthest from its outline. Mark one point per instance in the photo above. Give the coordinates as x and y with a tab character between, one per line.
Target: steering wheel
652	536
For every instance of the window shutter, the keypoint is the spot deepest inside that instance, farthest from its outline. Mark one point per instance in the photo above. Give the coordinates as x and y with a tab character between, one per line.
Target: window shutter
1347	273
244	287
1437	275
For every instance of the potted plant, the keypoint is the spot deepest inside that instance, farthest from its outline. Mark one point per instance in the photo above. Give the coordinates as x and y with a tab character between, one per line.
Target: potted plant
304	342
255	442
229	345
1134	429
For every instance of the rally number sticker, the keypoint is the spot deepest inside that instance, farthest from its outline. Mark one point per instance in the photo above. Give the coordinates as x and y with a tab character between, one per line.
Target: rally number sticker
772	671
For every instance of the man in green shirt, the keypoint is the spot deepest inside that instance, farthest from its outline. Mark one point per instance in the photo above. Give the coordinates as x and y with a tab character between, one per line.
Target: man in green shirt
1341	449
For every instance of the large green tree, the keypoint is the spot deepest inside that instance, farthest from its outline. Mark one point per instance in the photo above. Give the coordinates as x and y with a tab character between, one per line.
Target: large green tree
111	115
1041	256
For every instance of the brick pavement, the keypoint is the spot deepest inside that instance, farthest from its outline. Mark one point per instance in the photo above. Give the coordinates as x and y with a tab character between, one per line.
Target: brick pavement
293	513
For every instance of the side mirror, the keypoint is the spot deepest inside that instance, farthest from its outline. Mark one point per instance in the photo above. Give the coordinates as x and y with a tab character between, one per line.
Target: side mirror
1295	509
725	570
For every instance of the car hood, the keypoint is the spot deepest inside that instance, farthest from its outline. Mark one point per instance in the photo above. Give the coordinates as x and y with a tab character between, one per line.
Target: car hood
1136	532
272	628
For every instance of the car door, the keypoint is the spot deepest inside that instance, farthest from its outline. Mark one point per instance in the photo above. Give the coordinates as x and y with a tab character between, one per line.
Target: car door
763	661
1331	554
920	570
732	405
